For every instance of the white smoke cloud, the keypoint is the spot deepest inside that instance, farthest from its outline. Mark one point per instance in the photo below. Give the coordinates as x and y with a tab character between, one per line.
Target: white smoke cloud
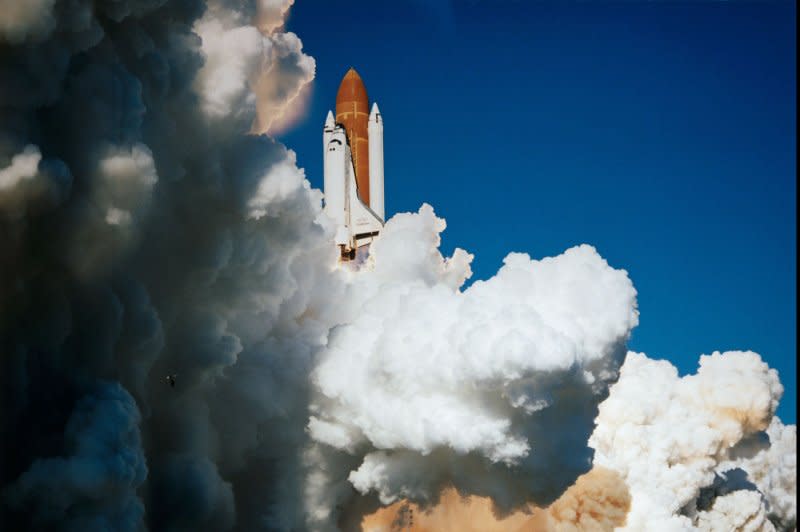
739	510
689	453
424	384
247	67
24	166
281	182
673	438
282	89
272	14
769	459
232	58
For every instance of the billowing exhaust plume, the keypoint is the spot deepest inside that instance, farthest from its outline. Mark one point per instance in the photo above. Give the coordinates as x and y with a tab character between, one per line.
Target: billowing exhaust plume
271	15
146	235
493	390
283	87
599	500
180	351
703	450
253	68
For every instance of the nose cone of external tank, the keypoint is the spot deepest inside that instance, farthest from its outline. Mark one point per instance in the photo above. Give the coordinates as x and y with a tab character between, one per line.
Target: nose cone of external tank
352	91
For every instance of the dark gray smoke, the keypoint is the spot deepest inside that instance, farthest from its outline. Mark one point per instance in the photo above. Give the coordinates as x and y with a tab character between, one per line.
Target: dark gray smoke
142	236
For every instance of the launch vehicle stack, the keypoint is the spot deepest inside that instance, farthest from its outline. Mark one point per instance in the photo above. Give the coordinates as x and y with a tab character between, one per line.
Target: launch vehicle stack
353	167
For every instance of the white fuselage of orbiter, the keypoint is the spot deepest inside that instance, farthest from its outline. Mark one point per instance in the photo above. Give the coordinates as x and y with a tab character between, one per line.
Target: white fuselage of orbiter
357	223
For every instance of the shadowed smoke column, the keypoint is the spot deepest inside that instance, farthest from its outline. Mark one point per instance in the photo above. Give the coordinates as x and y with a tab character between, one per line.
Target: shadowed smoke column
352	111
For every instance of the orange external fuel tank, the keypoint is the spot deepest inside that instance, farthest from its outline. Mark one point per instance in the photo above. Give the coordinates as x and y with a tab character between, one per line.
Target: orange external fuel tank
352	111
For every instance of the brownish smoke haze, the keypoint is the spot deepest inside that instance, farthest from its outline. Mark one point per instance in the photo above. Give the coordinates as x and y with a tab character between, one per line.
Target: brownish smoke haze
271	15
274	119
599	500
282	90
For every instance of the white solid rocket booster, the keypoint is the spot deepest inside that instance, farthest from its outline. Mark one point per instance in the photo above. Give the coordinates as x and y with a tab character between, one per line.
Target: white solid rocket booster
375	134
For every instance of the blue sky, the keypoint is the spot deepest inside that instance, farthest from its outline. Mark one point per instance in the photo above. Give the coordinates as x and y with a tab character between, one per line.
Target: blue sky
662	133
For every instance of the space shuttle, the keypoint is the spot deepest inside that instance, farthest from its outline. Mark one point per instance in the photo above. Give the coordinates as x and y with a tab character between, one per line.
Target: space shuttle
353	168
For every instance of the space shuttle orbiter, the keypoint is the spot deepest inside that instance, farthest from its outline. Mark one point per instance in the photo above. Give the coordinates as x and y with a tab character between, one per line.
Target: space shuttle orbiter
353	167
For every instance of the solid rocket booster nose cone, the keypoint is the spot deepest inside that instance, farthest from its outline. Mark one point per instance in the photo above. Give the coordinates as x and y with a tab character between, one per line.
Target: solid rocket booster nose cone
329	121
375	115
352	111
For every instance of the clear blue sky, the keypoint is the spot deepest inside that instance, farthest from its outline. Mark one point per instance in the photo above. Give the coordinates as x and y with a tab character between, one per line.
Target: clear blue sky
662	133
